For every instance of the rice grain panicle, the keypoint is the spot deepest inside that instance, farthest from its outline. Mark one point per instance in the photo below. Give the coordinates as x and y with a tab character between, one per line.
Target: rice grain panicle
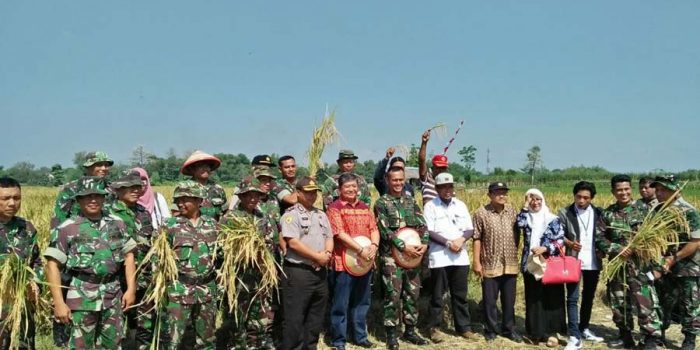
323	135
16	277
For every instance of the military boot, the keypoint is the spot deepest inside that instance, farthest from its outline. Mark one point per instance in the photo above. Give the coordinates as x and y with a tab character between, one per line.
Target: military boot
412	337
688	342
392	341
625	341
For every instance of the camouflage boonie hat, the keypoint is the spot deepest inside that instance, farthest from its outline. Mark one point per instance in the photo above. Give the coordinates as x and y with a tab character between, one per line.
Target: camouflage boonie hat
668	181
129	179
93	158
90	185
250	186
264	172
346	154
189	188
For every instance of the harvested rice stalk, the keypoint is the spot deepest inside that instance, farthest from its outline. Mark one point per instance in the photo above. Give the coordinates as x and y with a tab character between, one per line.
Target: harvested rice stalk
162	258
16	277
323	135
402	149
440	129
654	236
243	248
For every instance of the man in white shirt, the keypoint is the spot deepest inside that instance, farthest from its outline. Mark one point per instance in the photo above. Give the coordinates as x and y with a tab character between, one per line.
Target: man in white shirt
578	221
450	226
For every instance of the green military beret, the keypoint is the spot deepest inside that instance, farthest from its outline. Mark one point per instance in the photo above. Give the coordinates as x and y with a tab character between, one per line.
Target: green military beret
90	185
93	158
189	188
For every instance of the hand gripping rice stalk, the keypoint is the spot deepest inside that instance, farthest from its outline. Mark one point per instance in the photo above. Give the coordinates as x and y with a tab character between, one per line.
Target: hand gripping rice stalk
244	248
323	135
17	298
162	258
440	129
651	240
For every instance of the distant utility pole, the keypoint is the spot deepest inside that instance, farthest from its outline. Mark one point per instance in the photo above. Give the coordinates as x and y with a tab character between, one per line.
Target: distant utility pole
488	161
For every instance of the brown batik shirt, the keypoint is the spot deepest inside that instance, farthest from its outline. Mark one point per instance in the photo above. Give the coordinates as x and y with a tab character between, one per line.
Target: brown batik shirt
499	240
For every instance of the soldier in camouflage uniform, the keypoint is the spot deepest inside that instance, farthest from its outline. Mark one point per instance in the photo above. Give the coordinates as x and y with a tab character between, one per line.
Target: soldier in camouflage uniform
200	165
682	268
94	249
346	164
648	194
395	210
18	236
252	324
284	189
192	298
259	162
633	286
140	228
95	164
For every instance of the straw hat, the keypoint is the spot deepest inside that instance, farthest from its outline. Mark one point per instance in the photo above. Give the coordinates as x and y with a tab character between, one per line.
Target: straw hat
197	157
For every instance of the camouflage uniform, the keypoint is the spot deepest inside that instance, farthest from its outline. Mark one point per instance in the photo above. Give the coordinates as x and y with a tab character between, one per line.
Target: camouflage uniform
93	253
680	290
18	236
401	286
639	290
330	189
215	202
139	226
192	298
281	189
646	205
252	324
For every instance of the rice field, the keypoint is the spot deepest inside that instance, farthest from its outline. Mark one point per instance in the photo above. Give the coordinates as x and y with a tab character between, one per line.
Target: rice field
37	206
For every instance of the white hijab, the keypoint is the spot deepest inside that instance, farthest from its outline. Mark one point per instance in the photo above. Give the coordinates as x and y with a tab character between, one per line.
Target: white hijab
538	221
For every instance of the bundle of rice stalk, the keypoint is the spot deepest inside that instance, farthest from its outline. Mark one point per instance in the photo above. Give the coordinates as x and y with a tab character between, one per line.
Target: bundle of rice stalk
324	134
651	240
244	248
440	129
162	259
15	278
402	149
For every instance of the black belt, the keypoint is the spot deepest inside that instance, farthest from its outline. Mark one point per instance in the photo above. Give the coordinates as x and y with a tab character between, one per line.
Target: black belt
288	263
198	280
85	277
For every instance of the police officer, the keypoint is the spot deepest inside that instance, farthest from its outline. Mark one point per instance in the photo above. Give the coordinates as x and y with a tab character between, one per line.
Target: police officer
310	245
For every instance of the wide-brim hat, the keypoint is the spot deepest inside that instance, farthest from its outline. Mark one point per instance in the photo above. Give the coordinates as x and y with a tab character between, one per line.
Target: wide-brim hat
129	179
199	157
536	266
88	185
249	186
189	188
346	154
93	158
668	181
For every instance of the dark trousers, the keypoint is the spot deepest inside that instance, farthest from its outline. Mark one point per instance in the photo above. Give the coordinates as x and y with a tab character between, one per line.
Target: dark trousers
456	279
351	299
589	280
304	299
491	288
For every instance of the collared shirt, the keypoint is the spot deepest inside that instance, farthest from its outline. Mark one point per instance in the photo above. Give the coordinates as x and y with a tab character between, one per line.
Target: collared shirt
499	240
450	221
310	227
428	187
586	224
355	219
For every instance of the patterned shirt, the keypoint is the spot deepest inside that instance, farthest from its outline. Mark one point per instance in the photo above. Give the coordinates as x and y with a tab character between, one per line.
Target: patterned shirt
499	240
282	188
331	191
194	246
690	266
140	229
428	187
614	226
215	203
354	219
552	236
394	213
91	249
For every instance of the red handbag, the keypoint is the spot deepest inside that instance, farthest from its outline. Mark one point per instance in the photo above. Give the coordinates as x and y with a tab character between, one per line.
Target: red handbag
562	269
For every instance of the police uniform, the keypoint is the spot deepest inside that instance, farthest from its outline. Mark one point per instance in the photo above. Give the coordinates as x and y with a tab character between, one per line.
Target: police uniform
304	287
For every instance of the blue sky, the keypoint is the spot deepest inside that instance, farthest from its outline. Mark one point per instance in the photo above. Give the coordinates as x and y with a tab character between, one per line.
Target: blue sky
609	83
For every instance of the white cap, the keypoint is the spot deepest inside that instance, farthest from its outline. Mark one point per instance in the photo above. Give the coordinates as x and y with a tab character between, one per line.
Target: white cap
443	179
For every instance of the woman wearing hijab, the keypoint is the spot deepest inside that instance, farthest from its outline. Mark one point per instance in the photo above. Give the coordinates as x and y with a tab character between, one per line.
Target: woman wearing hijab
154	202
545	312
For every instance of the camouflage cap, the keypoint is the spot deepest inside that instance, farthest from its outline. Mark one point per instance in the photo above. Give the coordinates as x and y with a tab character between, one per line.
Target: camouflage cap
250	186
346	154
668	181
93	158
90	185
189	188
129	179
264	172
